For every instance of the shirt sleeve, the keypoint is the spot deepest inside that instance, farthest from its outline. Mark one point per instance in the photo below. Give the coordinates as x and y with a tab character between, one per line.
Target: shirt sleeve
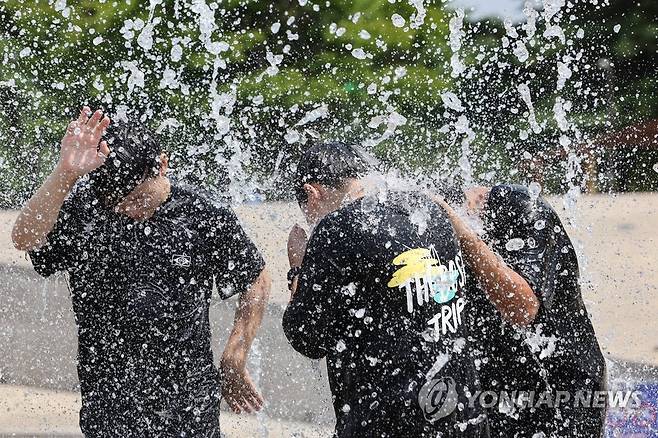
59	251
235	259
312	319
513	217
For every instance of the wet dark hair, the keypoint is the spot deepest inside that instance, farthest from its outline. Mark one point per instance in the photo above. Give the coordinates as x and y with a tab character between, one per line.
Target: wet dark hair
134	157
329	164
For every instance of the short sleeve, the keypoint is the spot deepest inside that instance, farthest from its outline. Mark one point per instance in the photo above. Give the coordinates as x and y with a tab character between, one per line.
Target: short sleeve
313	316
523	233
236	261
59	251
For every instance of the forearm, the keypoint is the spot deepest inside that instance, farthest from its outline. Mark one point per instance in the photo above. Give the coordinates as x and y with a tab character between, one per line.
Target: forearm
248	318
39	215
506	289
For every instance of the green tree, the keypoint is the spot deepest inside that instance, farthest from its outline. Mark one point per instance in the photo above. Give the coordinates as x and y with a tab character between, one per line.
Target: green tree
243	86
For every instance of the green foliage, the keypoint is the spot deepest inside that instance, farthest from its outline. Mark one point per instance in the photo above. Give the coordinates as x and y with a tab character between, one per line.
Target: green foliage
205	68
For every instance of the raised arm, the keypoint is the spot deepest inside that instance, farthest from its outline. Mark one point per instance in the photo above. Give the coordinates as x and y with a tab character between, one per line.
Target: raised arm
81	152
505	288
238	389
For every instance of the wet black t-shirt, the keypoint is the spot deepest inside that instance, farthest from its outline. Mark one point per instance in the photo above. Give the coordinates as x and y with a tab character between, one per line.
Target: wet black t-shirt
381	295
141	294
559	351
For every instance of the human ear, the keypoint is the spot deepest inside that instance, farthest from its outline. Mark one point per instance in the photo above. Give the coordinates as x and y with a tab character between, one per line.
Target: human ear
313	193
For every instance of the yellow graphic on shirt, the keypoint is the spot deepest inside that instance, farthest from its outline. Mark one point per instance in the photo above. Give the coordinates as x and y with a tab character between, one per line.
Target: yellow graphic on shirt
422	272
415	263
424	277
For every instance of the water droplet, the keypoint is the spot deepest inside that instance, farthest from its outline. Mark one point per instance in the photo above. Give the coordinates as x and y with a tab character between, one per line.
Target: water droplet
359	53
398	20
534	189
514	244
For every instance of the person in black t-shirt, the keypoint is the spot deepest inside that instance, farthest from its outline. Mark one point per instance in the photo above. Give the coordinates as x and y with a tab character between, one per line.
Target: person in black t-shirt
380	290
143	255
559	350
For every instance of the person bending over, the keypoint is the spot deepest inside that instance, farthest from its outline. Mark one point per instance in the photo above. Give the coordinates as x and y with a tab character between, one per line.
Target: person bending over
558	350
381	290
142	255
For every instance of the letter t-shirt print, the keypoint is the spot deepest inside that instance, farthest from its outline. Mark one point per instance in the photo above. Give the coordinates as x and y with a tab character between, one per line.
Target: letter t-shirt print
422	272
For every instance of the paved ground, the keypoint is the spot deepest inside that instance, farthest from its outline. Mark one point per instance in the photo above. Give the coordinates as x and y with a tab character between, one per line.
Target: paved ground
618	244
26	411
616	237
35	412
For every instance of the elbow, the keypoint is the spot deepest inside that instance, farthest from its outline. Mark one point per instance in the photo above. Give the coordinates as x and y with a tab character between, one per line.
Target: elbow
304	347
19	240
298	339
527	313
259	291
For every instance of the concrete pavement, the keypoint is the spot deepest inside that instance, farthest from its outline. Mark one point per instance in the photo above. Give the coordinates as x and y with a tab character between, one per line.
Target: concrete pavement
27	411
616	239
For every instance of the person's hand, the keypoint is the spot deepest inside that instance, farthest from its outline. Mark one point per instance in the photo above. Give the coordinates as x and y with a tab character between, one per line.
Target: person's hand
476	198
238	389
463	231
82	150
296	246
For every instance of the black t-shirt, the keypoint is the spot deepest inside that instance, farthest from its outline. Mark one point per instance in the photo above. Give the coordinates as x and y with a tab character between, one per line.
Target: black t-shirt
559	351
141	293
381	294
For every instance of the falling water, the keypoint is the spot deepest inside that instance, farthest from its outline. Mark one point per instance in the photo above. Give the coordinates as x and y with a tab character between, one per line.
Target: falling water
238	89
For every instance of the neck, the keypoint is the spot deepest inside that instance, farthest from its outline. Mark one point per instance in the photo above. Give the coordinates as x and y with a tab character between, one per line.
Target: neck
352	191
152	194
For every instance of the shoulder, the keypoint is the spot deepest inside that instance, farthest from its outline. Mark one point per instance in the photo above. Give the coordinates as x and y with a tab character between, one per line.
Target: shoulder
196	200
511	209
81	203
335	222
515	197
337	229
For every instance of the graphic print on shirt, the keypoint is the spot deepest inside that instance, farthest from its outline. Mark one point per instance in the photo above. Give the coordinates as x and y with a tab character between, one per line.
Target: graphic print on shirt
422	275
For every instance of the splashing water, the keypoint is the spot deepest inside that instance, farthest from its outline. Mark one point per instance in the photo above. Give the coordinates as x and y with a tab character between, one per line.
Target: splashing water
433	93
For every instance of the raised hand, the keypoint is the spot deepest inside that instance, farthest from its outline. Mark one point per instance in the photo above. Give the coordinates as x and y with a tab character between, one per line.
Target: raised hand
82	150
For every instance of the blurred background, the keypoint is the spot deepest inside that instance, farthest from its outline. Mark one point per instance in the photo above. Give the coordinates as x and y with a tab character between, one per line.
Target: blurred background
554	92
244	85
